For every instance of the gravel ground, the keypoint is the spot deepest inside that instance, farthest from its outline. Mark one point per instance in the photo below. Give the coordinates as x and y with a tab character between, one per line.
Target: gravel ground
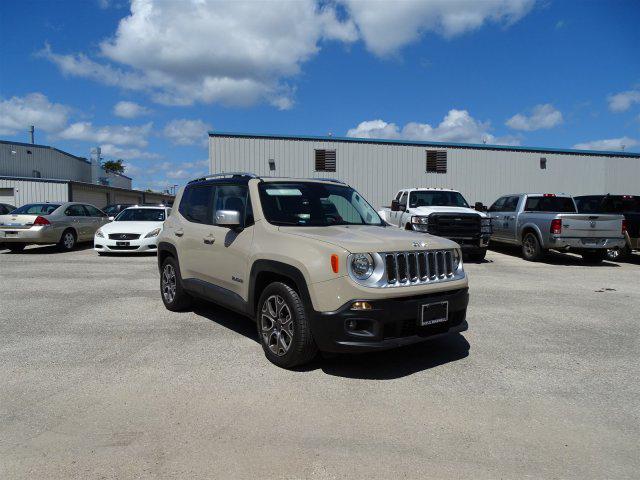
100	381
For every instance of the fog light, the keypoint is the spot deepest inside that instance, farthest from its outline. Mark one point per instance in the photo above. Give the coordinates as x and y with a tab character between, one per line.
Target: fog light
351	325
361	306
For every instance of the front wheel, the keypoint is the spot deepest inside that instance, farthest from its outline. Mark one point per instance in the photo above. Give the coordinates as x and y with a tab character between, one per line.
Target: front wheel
283	327
595	257
531	248
477	255
173	295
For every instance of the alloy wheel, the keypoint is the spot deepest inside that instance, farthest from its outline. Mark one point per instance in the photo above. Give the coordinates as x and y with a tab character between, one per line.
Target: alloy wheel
613	253
169	283
276	325
529	246
68	240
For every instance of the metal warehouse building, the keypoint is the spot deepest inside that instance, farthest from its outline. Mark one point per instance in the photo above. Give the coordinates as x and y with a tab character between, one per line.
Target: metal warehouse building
379	168
40	173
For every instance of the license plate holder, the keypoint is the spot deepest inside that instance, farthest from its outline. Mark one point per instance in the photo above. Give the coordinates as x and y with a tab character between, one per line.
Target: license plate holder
433	313
122	244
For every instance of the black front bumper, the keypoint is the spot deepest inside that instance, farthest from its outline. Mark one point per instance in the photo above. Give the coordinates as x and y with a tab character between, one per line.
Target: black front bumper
390	323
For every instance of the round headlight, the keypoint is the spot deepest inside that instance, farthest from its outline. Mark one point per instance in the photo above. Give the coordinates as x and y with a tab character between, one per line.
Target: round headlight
362	266
456	259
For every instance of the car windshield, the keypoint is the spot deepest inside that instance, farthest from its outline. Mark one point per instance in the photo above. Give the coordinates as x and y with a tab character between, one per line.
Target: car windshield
550	204
36	209
112	209
141	215
315	205
436	199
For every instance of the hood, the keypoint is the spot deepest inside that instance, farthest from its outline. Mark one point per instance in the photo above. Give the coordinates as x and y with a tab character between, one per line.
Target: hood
130	227
368	238
429	210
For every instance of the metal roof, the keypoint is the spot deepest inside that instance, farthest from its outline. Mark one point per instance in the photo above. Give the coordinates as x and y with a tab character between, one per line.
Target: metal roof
477	146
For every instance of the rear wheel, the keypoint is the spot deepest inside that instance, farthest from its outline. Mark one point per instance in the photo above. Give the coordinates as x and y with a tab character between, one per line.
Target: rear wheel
618	254
67	241
594	257
531	248
283	327
173	295
16	247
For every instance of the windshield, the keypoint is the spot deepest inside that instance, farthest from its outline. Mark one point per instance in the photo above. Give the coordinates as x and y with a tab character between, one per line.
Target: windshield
436	199
141	215
36	209
315	205
550	204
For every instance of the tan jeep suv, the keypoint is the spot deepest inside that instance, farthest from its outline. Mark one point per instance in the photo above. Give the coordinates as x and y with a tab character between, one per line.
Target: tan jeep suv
312	262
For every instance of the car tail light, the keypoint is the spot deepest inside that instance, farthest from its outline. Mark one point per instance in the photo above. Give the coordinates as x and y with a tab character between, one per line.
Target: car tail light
624	227
41	221
556	226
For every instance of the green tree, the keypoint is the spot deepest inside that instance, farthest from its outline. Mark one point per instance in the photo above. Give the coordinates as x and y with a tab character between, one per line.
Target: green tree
114	166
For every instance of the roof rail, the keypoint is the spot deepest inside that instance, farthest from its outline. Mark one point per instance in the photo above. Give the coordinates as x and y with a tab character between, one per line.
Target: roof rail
225	174
333	180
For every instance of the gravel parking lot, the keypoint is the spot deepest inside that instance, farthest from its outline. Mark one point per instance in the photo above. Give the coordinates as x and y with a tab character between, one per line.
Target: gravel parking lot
100	381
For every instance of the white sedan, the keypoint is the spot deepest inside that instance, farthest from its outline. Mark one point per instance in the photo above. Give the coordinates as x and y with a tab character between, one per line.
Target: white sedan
135	229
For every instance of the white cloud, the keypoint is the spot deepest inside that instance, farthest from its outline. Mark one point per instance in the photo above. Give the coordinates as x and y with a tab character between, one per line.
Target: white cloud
386	27
187	132
129	110
456	127
113	151
18	113
235	53
621	102
541	117
622	143
109	134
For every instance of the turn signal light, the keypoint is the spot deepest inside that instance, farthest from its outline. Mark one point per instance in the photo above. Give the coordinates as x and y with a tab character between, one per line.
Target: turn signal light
624	227
556	226
41	221
361	306
335	263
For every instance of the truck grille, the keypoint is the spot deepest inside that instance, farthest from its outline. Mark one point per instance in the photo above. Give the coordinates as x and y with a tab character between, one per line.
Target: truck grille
124	236
454	225
412	268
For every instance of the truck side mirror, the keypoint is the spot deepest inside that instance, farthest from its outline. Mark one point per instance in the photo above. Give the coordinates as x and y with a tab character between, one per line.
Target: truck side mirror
479	206
395	206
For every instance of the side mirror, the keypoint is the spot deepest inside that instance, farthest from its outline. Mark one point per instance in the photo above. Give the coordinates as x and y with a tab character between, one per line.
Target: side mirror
479	206
228	218
395	205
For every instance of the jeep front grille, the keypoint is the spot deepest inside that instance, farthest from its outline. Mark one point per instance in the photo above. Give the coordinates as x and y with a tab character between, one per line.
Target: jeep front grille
412	268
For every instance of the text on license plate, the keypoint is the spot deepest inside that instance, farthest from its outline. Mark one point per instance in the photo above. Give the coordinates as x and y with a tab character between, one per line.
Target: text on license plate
122	244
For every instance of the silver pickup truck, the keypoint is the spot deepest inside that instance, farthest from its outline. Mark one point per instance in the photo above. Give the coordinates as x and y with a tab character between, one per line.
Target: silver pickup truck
540	222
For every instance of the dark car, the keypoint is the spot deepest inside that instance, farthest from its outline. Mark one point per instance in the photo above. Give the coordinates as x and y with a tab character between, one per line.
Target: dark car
6	208
114	209
626	205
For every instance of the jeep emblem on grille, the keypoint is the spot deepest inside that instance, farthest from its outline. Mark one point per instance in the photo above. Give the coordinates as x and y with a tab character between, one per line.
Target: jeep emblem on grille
420	244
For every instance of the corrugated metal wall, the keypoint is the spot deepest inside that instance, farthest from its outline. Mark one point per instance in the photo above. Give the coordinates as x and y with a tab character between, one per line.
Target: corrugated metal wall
378	171
27	191
15	161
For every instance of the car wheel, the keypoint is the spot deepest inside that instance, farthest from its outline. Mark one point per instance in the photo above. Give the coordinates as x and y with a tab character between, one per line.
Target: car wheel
173	295
531	249
593	258
15	248
67	241
618	254
478	256
283	327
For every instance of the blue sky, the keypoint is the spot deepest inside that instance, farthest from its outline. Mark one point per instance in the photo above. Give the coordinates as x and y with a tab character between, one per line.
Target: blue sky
146	80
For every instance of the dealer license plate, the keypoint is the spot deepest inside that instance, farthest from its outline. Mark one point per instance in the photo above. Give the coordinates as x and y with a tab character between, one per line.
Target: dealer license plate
433	313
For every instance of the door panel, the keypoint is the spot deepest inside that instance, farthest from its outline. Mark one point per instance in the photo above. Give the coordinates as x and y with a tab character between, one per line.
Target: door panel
495	212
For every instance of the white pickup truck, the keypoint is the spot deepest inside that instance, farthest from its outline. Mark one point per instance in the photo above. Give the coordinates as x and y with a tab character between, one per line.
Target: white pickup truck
540	222
444	213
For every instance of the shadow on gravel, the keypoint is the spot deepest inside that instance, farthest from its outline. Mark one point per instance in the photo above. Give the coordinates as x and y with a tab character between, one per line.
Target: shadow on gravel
385	365
46	249
552	257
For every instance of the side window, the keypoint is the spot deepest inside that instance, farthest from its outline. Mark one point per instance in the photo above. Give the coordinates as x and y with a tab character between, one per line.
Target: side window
498	205
94	212
403	199
230	197
511	204
195	203
75	211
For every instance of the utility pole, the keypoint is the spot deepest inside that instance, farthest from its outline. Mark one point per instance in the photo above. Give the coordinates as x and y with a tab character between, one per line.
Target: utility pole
32	130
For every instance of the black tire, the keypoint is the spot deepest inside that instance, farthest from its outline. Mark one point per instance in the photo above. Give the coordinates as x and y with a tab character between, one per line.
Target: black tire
595	257
531	248
173	294
275	326
16	247
68	240
477	255
618	254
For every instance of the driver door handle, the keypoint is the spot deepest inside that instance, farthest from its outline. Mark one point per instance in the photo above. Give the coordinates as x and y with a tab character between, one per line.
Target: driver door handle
179	233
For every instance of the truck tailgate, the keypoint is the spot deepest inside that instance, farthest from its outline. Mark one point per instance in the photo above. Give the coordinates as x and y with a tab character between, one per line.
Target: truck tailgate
591	226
